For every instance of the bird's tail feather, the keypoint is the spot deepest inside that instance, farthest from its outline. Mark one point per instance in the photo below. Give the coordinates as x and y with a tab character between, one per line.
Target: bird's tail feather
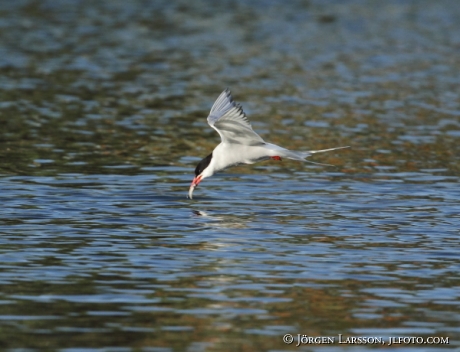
326	150
294	155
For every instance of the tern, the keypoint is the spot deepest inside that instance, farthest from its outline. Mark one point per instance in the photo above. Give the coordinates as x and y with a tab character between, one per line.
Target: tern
240	144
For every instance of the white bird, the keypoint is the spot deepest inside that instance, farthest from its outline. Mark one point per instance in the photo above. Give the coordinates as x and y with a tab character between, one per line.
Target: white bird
240	144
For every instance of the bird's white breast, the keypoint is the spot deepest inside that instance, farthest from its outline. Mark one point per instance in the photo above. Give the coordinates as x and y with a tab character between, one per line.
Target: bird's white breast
227	155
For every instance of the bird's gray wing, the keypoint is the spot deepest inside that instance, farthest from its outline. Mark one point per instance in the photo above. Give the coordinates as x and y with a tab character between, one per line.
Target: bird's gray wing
229	120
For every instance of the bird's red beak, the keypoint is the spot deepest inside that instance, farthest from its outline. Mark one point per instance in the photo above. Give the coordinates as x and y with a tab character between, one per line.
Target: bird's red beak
195	183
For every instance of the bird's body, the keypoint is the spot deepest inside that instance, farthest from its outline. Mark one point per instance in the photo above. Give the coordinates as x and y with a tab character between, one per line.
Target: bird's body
237	154
240	144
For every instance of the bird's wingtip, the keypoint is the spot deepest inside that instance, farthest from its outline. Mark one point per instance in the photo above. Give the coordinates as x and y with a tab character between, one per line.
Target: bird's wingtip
228	92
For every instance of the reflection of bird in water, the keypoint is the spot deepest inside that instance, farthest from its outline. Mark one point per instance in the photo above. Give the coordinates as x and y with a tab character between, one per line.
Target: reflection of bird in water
240	144
222	221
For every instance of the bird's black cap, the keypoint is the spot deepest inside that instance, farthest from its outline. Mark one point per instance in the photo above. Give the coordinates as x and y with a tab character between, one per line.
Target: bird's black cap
203	164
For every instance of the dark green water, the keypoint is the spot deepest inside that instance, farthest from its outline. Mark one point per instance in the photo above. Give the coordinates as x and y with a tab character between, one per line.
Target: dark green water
103	109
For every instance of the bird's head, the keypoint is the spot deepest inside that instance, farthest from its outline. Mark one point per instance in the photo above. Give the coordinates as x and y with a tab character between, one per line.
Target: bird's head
202	171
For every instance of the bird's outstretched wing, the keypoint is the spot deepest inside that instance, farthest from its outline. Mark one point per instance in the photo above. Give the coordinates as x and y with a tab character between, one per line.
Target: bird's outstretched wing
229	120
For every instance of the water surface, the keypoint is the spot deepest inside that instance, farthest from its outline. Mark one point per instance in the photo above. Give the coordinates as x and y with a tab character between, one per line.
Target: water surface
103	111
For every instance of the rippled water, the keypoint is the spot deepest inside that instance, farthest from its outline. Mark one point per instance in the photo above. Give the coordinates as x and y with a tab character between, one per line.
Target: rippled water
103	111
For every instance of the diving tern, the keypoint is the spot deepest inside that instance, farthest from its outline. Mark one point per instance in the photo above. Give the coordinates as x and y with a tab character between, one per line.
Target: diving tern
240	144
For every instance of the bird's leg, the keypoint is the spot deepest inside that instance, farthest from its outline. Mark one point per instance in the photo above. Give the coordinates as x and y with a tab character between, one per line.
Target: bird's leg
276	158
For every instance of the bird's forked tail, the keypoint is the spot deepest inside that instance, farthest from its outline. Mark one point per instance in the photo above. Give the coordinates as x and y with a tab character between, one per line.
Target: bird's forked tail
301	156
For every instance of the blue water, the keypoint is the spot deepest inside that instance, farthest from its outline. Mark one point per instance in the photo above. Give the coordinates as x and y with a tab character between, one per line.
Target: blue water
103	119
